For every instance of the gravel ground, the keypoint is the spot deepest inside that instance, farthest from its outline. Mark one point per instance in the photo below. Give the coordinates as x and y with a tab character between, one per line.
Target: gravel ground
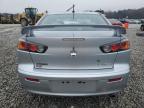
13	96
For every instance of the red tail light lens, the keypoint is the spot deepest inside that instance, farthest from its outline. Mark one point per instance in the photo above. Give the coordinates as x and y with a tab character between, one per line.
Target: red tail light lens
31	47
115	47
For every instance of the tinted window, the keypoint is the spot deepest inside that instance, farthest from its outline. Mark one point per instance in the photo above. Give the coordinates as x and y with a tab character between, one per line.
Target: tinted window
78	19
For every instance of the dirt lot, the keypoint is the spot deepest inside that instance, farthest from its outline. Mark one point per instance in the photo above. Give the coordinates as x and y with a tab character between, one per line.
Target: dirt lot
13	96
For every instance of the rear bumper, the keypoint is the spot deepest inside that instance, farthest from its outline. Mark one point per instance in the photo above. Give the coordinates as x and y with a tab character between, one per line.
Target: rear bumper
96	81
73	94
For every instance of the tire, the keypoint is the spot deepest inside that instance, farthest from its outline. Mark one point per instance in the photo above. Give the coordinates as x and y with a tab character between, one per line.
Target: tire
113	95
142	28
24	22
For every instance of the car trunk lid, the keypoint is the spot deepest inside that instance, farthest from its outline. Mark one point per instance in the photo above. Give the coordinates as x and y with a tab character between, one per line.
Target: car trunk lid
73	49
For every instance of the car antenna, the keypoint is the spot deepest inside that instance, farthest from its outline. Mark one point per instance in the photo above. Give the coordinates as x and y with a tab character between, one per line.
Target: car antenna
73	10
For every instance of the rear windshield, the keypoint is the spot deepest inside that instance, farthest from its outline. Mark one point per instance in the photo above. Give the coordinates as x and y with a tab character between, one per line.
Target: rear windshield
77	19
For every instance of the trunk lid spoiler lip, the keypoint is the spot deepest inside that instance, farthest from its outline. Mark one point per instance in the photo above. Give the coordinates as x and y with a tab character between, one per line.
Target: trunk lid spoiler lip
28	31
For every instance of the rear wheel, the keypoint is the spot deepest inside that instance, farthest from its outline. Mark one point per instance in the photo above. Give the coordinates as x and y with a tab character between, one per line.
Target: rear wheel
24	22
142	28
113	95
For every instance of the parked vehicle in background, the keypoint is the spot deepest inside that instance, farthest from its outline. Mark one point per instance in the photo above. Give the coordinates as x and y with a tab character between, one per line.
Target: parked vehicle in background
134	21
116	22
125	23
142	25
77	54
30	16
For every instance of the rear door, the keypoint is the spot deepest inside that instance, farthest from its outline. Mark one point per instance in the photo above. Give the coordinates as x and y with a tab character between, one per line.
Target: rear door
73	49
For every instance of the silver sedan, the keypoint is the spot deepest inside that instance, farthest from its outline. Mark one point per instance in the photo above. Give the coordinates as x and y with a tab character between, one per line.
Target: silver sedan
78	54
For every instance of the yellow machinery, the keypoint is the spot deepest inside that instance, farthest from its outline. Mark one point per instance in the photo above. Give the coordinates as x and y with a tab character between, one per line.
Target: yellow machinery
29	17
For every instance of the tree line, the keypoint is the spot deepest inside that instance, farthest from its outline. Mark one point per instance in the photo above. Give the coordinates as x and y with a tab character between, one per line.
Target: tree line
129	13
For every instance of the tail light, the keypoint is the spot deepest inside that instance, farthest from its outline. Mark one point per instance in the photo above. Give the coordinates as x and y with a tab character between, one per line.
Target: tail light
31	47
116	47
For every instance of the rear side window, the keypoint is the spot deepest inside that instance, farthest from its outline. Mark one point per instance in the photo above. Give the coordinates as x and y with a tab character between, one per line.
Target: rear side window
77	19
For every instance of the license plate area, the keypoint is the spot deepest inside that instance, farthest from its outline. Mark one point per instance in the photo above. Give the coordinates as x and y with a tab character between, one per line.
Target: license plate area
73	86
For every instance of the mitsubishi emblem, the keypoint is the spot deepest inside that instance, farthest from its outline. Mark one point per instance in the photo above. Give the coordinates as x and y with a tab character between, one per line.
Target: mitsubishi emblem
73	53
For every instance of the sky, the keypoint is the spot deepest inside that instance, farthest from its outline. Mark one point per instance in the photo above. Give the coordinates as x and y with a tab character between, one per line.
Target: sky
17	6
